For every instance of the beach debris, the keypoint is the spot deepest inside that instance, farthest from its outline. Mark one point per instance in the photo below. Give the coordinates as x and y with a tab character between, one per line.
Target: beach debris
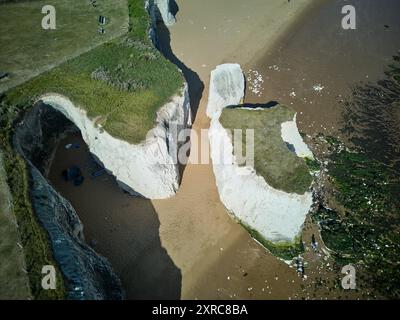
74	174
300	267
274	67
318	87
72	146
314	243
255	80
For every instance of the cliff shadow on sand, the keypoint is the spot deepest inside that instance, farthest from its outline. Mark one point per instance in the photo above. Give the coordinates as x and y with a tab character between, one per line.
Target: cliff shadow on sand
120	227
196	86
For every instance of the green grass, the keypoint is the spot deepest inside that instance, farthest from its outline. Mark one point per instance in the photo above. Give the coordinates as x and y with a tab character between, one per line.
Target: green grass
130	59
312	164
125	113
280	167
283	250
27	50
14	282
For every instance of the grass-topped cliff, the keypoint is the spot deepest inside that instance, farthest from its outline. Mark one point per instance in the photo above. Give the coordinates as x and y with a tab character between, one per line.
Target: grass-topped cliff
121	83
280	167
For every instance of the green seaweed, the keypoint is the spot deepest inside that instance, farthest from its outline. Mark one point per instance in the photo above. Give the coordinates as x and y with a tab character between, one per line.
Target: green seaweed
283	249
312	164
367	231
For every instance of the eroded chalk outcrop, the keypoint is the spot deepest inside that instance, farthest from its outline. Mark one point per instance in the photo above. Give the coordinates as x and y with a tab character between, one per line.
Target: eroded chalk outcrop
276	215
148	168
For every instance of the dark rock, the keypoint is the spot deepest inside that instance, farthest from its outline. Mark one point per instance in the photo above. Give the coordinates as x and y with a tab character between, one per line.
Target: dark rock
4	75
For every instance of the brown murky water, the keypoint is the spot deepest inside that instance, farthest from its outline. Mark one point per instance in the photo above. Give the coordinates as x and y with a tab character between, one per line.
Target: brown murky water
188	246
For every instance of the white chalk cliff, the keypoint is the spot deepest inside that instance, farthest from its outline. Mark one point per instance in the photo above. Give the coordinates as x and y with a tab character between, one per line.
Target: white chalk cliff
147	168
163	11
290	134
277	215
164	7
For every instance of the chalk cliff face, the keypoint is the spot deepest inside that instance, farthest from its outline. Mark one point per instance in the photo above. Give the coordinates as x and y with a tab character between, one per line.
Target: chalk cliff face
148	168
226	88
164	7
159	11
278	216
291	135
87	274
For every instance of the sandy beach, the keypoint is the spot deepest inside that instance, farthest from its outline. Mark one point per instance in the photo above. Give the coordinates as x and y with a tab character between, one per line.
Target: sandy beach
198	251
188	246
220	260
315	78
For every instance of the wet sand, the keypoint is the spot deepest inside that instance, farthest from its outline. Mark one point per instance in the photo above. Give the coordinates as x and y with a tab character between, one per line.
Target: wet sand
317	51
217	257
226	264
188	246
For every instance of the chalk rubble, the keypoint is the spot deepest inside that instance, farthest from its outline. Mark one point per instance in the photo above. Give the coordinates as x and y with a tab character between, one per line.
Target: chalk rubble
277	215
